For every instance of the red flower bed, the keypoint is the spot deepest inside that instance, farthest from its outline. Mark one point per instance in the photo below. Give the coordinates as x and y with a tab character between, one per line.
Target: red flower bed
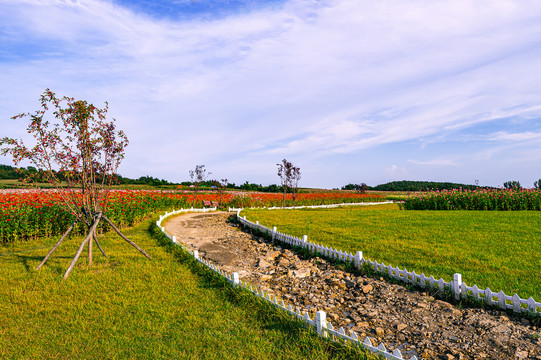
480	199
26	215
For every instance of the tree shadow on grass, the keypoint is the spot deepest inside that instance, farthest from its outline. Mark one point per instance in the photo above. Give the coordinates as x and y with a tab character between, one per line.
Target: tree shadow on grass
31	262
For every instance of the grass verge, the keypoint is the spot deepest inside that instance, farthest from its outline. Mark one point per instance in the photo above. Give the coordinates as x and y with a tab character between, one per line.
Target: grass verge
126	306
500	250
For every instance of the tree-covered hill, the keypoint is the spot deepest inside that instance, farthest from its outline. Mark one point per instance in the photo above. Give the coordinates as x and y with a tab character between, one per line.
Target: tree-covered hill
406	185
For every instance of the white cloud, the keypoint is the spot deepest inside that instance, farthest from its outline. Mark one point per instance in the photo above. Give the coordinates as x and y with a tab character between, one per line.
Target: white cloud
514	137
310	80
395	172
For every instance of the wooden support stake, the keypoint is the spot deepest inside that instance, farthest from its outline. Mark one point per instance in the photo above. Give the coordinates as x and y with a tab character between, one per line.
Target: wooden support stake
99	247
57	244
125	238
90	249
89	236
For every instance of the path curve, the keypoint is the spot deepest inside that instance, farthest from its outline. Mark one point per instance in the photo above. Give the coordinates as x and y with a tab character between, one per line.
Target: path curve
414	322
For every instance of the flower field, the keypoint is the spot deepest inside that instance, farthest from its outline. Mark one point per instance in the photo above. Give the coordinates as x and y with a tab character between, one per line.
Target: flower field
246	200
27	215
480	199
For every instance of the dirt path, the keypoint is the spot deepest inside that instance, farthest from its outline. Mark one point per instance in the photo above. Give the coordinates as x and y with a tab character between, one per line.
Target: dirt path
414	322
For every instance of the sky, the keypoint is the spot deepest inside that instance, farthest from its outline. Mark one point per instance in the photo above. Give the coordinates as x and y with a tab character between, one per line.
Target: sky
350	91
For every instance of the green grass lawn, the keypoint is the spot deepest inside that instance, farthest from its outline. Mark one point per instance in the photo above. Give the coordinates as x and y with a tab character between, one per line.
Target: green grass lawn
500	250
127	307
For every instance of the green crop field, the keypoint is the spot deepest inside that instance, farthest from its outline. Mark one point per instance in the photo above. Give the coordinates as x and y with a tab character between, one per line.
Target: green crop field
127	307
500	250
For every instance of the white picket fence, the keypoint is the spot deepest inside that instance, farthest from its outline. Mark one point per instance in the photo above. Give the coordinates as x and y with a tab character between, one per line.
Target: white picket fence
317	206
319	324
456	286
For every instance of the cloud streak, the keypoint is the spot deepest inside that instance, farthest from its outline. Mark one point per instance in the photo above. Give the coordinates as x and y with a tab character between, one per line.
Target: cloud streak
320	82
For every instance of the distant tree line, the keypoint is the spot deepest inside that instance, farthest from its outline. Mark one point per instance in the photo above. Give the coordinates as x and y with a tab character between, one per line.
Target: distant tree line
11	173
406	185
273	188
143	180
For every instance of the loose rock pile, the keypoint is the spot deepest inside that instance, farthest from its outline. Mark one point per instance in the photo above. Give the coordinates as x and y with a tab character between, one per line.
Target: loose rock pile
414	322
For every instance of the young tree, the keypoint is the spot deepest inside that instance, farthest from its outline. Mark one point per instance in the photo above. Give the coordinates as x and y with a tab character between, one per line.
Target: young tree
295	178
198	176
285	172
221	186
537	184
361	188
78	146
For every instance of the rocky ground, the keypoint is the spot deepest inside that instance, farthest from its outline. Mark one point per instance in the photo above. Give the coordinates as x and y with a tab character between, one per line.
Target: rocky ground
412	321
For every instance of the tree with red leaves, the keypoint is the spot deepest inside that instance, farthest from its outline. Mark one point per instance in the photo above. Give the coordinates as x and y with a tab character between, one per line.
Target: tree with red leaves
78	153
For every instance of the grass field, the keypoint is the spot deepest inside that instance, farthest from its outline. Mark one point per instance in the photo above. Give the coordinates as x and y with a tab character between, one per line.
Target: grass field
500	250
129	307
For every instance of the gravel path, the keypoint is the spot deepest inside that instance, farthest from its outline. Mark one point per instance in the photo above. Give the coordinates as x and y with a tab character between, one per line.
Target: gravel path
414	322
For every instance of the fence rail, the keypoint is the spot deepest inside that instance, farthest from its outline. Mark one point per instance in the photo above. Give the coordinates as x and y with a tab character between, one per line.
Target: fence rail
319	324
456	286
231	209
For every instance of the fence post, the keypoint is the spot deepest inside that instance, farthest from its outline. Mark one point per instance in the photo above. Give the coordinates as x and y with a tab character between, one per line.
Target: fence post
257	222
457	284
321	323
358	259
236	280
305	241
196	254
273	232
516	303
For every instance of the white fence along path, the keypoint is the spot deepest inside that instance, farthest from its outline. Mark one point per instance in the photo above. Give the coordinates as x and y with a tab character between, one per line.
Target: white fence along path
318	206
456	286
319	324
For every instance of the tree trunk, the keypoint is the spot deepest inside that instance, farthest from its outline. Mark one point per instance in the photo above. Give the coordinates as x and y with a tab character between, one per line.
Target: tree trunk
88	237
194	197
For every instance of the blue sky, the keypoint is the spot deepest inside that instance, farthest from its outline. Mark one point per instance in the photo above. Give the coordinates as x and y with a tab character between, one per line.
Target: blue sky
348	90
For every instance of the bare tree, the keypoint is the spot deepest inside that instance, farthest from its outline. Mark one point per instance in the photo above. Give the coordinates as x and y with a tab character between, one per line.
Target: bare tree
78	147
295	178
221	186
285	172
361	188
198	177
